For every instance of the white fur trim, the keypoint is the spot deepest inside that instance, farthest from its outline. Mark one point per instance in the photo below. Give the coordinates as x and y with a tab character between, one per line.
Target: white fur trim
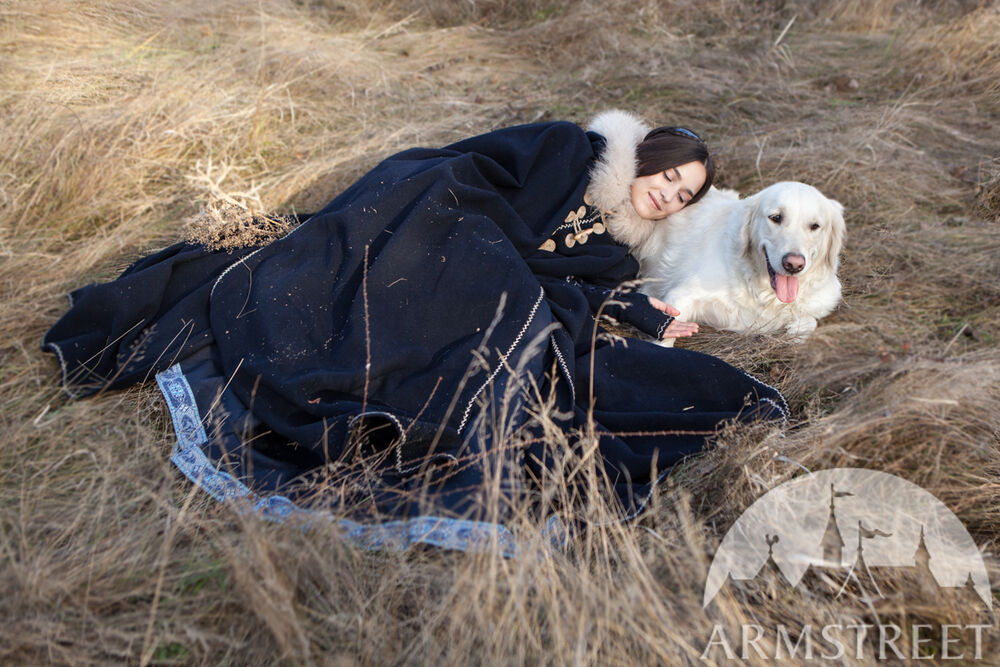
612	175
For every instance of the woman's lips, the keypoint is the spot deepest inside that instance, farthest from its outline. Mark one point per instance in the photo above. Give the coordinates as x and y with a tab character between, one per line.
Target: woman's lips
655	203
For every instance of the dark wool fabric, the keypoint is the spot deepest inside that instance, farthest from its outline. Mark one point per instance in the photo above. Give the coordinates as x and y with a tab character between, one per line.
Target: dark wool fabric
410	319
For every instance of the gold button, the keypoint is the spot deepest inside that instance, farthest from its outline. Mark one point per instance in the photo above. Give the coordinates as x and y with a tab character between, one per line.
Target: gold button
570	241
548	246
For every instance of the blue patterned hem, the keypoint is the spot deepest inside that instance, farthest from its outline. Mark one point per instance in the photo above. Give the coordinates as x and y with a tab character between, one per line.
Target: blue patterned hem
190	458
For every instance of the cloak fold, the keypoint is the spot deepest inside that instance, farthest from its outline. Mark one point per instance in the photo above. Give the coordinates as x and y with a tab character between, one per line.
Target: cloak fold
409	323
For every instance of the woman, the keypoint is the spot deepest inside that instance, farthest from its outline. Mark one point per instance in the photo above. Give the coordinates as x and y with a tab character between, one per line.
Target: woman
415	323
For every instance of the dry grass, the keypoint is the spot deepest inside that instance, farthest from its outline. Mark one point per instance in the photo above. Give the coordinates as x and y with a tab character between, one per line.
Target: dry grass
122	120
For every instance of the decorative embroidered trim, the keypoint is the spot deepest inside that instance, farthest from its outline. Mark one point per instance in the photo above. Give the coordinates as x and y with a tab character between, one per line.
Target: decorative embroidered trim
768	400
183	409
563	226
649	496
433	459
448	533
232	266
663	327
502	359
63	370
62	361
400	441
564	366
640	508
785	411
399	430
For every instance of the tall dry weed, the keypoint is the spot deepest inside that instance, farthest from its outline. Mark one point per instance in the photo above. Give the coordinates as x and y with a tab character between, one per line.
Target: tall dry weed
120	121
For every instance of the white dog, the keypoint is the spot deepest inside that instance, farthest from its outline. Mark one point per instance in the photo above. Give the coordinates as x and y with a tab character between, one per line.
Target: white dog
763	264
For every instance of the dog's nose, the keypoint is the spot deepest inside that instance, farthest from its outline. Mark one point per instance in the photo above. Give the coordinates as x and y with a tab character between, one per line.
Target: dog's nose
793	262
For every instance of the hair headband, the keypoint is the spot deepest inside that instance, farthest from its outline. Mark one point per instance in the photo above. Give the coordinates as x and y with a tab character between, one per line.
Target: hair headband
676	131
687	132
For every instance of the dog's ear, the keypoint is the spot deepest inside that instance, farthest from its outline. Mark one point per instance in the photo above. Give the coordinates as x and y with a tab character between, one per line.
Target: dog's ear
835	237
751	206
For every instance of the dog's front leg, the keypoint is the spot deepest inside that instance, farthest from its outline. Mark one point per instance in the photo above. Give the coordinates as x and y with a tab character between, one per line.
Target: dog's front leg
800	329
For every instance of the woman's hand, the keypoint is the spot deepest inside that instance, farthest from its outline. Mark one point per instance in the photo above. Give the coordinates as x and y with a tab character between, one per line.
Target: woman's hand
675	329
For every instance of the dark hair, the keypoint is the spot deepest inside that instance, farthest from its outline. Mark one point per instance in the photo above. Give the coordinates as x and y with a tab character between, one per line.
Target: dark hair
668	147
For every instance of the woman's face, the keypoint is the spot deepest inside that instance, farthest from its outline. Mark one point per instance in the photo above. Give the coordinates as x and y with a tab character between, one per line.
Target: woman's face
656	196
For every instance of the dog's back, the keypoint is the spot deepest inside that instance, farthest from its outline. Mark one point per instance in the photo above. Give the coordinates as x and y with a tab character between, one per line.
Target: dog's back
691	243
686	262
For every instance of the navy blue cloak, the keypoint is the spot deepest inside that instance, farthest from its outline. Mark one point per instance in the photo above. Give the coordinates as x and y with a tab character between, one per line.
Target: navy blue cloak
411	324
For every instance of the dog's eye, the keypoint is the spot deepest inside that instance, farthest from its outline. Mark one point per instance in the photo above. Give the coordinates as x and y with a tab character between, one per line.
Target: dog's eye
814	226
775	218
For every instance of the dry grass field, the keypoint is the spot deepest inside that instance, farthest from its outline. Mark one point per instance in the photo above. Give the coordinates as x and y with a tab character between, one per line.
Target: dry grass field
120	121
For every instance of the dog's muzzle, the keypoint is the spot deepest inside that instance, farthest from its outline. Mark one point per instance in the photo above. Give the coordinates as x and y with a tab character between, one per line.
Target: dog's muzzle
785	286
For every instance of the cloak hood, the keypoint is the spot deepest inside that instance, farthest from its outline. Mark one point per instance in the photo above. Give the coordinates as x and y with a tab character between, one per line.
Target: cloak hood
612	175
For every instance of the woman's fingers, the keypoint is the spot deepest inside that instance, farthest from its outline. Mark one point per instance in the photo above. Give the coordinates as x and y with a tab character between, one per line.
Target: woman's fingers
675	329
678	329
661	306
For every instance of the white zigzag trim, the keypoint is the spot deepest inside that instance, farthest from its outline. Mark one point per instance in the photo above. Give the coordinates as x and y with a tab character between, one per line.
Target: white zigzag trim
501	360
564	366
784	415
63	370
785	411
436	457
232	266
399	429
399	442
663	328
642	504
649	496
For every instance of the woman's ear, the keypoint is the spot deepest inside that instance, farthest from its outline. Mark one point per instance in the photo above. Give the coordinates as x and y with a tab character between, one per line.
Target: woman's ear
836	235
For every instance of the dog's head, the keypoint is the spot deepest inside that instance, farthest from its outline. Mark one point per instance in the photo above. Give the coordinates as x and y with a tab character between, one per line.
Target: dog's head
795	232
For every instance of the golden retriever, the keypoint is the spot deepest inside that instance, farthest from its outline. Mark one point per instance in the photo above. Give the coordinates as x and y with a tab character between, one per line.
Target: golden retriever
763	264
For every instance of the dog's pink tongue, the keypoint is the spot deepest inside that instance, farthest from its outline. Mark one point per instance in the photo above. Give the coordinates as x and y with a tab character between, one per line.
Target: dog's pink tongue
786	287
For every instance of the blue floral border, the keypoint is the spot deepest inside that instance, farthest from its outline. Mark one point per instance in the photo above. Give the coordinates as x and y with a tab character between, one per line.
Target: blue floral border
190	458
